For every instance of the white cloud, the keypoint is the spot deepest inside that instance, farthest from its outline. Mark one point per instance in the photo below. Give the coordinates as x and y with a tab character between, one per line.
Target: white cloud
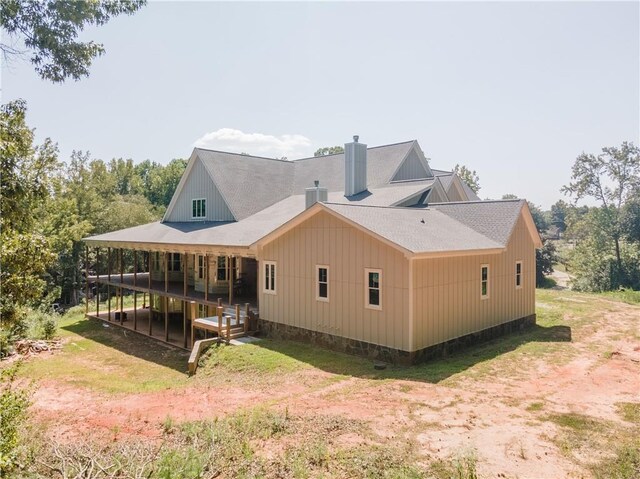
259	144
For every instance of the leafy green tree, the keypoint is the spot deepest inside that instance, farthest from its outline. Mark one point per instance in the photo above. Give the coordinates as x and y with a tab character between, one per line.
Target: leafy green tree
50	29
611	178
546	257
25	183
559	212
163	181
329	150
470	177
509	196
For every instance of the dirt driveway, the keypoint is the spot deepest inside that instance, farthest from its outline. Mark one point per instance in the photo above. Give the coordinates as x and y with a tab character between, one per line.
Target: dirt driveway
505	404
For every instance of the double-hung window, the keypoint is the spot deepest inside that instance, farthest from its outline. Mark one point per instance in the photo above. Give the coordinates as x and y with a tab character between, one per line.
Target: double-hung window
484	281
198	208
201	266
174	261
518	274
222	268
322	283
372	290
269	277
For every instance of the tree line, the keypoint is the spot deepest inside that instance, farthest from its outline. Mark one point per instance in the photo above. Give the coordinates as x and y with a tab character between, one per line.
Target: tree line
49	205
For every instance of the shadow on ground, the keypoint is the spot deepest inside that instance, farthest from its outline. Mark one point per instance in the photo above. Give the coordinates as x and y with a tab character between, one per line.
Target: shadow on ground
433	371
131	343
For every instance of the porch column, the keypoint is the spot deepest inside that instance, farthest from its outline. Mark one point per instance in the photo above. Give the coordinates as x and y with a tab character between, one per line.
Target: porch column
166	319
121	288
86	278
206	277
109	283
150	313
98	283
149	269
230	279
184	324
166	272
135	310
135	292
184	266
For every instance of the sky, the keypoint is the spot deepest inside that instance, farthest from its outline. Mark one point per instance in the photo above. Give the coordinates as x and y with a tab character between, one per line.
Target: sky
515	91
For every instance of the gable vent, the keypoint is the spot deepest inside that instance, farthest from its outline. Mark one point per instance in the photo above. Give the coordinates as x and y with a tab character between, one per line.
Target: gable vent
355	167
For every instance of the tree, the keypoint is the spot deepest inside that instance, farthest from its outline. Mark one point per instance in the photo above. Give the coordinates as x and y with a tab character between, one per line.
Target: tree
470	177
611	178
546	257
50	30
329	150
559	212
25	173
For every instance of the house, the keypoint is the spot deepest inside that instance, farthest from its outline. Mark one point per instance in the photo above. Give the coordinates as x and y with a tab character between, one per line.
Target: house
370	251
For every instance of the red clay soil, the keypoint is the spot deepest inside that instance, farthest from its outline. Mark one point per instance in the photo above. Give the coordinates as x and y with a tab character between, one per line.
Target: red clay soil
488	413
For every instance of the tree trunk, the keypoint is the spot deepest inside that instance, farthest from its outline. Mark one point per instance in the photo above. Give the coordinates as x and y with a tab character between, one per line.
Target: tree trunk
620	275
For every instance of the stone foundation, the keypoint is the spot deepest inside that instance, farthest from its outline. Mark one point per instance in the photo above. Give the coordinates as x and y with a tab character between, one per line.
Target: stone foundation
390	355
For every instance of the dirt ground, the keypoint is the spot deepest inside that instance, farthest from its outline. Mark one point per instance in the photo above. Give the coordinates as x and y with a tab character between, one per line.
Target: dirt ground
495	409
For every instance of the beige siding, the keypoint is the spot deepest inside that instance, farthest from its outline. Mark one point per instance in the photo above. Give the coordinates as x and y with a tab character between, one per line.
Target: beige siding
447	302
199	185
326	240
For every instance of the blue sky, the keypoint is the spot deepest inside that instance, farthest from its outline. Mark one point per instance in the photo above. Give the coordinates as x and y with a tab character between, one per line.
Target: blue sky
513	90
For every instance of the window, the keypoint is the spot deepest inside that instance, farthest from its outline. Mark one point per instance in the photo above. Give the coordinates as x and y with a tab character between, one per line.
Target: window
174	261
373	296
484	281
155	260
322	282
269	277
202	311
200	266
222	268
199	208
518	274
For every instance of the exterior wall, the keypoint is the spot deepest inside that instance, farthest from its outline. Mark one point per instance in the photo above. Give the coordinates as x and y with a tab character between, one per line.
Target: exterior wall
411	168
199	185
325	240
446	297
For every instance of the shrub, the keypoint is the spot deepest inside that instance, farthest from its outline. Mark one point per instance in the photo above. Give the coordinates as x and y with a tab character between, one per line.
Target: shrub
13	406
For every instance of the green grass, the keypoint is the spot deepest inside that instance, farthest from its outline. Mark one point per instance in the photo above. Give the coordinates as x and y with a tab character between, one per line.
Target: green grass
624	464
107	360
629	411
535	406
626	296
576	422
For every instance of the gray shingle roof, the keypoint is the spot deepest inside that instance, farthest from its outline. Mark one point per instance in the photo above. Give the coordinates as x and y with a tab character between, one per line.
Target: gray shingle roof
382	162
248	183
493	219
416	230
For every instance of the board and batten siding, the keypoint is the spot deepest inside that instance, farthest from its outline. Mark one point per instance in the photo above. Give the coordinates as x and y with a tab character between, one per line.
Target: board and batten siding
412	168
326	240
200	185
446	294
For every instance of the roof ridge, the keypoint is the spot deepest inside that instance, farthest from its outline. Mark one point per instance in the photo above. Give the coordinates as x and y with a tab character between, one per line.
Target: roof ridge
368	148
508	200
375	206
241	154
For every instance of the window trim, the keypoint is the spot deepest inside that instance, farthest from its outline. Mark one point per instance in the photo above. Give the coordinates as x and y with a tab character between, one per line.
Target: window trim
219	268
204	203
485	296
271	275
171	262
317	282
518	275
367	305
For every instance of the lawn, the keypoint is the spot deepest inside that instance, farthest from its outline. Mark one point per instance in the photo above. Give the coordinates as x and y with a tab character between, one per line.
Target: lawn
559	399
